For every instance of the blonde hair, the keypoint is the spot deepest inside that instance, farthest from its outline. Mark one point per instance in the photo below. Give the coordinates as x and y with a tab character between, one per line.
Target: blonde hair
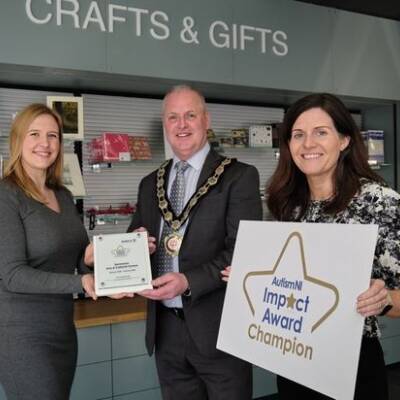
14	171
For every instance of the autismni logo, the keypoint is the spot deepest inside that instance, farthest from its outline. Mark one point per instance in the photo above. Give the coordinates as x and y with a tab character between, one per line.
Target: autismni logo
120	251
287	313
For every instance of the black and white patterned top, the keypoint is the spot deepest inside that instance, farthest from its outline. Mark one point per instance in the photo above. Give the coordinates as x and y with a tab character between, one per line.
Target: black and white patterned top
374	204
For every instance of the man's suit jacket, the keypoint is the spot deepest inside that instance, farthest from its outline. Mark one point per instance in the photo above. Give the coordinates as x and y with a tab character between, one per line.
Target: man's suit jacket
207	246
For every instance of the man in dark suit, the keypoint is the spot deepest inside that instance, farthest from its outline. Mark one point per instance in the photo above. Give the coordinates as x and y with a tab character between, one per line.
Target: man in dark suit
196	243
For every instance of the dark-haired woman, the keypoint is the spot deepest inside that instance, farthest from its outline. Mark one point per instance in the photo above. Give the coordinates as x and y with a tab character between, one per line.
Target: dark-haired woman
323	176
42	242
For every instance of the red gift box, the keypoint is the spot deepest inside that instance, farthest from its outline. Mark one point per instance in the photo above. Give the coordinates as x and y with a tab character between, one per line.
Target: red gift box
110	147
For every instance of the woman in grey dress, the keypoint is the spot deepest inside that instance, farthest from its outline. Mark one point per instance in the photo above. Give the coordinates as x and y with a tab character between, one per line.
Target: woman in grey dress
42	242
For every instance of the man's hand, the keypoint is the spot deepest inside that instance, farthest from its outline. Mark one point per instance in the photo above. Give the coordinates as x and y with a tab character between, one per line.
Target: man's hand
166	287
121	295
88	285
151	240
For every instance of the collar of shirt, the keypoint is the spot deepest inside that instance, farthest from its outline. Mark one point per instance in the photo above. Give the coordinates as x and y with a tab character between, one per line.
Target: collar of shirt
197	160
191	177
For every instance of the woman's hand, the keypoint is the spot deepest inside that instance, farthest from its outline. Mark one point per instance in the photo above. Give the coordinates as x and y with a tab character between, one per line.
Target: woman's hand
152	244
121	295
150	239
89	255
88	285
373	300
225	273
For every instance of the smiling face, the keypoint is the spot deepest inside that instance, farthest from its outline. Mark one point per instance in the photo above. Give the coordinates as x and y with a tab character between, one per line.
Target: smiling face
41	145
315	145
185	122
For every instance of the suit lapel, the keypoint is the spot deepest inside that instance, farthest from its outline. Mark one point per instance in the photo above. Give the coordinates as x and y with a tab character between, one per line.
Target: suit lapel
211	162
156	216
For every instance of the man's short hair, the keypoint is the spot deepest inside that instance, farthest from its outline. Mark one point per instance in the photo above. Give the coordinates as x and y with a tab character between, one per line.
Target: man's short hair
184	88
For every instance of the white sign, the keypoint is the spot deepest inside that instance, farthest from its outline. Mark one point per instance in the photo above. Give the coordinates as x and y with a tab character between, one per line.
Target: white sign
109	17
290	305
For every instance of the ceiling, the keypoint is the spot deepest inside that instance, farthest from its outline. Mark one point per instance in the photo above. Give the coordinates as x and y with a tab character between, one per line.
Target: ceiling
379	8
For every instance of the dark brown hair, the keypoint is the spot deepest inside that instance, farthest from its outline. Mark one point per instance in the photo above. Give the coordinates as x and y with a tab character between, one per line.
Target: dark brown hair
288	188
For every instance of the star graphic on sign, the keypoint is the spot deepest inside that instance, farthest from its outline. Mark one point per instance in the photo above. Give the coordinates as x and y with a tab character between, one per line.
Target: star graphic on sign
291	299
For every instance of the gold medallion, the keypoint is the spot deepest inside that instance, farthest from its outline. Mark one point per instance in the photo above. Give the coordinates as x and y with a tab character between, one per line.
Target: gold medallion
172	243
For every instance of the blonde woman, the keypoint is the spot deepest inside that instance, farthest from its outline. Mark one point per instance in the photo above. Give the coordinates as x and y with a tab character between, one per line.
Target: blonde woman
42	242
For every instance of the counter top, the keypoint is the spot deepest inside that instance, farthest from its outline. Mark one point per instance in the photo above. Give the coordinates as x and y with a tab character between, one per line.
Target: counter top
106	311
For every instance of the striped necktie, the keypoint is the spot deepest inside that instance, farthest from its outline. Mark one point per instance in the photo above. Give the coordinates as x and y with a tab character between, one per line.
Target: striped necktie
177	197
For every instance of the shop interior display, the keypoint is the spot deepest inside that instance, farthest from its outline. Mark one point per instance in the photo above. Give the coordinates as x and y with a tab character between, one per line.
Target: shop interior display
72	175
70	109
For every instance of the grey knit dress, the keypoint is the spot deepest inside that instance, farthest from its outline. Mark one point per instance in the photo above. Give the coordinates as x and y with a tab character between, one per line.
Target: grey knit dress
39	250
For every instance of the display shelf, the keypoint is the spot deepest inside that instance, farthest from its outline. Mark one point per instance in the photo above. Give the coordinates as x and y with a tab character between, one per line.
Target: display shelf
379	165
98	167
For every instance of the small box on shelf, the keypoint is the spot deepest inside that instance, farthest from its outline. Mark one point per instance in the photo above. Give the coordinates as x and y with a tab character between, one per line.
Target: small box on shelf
109	215
374	142
226	141
213	140
139	148
260	136
109	147
240	137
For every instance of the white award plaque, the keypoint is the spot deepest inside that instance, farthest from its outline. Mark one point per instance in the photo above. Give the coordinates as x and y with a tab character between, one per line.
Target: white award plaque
121	263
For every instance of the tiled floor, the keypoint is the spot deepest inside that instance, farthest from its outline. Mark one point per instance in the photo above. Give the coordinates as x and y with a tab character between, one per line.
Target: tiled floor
394	384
